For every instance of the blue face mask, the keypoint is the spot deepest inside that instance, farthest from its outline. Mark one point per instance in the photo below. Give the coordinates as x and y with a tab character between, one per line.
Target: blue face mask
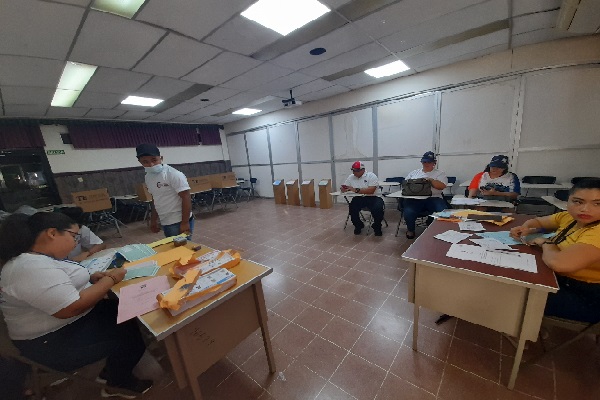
155	169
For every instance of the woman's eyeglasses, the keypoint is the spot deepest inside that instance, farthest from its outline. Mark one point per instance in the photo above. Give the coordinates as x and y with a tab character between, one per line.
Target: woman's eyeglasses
76	235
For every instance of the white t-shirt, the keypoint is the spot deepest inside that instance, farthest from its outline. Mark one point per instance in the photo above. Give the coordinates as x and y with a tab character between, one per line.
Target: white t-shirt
35	286
164	188
87	240
367	179
433	174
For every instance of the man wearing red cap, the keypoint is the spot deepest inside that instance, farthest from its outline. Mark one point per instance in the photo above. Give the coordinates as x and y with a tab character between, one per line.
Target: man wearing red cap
363	182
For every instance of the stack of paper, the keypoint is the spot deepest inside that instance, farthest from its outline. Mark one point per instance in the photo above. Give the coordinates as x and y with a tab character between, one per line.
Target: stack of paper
520	261
148	268
470	226
134	252
98	264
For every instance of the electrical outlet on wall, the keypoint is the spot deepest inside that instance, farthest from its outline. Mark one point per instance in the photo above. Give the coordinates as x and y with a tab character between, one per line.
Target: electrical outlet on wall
79	179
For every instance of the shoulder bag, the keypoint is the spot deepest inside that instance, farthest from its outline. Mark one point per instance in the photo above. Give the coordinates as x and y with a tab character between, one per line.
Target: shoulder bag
416	187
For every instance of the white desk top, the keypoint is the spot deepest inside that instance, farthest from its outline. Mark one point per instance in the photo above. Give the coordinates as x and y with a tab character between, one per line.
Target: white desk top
125	197
556	202
389	183
543	186
456	200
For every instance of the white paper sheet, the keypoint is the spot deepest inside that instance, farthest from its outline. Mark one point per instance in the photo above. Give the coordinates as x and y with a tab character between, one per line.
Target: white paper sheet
470	226
452	236
514	260
491	244
466	201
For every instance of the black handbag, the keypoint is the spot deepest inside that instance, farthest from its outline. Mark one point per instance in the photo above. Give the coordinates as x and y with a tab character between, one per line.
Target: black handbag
416	187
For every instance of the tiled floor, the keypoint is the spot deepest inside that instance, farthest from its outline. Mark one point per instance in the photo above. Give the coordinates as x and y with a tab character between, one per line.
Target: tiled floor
341	326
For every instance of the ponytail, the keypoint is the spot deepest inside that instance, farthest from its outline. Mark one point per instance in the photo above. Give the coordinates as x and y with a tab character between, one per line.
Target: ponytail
18	232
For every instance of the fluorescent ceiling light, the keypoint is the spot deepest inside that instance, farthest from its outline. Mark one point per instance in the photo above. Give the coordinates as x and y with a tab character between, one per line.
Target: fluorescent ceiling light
72	81
392	68
124	8
285	16
141	101
246	111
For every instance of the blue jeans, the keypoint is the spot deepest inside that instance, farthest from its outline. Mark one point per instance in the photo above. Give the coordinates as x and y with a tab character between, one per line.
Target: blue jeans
576	300
173	229
414	207
89	339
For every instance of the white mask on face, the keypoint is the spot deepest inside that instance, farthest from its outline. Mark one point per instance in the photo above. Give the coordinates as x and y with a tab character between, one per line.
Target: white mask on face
155	169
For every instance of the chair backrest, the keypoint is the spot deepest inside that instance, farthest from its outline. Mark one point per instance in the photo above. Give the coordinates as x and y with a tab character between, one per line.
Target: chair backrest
578	178
253	180
562	194
451	179
539	179
398	179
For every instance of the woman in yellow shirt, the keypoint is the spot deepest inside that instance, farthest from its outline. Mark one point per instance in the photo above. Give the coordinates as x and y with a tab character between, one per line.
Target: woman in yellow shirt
573	253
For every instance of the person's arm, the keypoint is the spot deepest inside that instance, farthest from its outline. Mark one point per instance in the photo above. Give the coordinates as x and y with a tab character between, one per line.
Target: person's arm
494	192
474	185
86	253
367	190
90	296
186	209
535	225
570	259
438	184
153	219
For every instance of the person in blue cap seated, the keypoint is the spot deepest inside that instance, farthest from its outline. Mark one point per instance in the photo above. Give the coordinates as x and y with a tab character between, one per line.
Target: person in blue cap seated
366	183
495	182
414	207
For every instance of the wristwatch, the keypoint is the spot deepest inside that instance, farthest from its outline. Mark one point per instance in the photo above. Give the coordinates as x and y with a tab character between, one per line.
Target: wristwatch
356	190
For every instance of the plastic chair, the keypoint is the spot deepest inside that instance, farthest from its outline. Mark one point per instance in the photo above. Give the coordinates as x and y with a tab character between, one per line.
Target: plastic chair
249	190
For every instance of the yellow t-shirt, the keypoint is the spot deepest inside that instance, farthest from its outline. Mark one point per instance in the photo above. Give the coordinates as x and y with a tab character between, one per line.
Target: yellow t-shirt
586	235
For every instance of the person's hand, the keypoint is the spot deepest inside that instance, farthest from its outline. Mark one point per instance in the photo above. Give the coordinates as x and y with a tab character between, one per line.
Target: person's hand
488	192
96	276
117	273
538	241
154	227
184	227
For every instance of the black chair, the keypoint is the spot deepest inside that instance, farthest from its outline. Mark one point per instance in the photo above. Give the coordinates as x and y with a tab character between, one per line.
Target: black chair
249	190
534	206
421	218
538	180
579	178
562	194
398	179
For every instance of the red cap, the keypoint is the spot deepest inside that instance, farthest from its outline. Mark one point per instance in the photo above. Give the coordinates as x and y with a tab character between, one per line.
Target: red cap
358	165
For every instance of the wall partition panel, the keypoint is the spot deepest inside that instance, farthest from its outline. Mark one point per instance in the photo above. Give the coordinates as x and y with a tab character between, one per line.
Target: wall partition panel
285	171
258	147
242	172
236	145
464	167
406	127
264	183
314	140
316	172
563	163
398	167
353	135
478	119
283	143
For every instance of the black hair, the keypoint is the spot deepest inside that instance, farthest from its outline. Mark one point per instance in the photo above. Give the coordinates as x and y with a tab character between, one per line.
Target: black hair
18	232
487	169
75	213
585	183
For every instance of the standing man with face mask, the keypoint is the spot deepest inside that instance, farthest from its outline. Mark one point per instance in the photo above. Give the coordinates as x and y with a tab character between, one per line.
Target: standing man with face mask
170	191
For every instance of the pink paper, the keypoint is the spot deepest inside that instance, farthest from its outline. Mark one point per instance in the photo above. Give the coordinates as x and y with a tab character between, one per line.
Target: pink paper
140	298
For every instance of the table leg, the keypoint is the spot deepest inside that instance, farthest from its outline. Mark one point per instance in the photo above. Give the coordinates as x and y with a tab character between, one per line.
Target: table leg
415	326
261	310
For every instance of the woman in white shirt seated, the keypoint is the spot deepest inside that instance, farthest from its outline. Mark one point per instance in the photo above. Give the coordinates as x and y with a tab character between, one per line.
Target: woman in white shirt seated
55	311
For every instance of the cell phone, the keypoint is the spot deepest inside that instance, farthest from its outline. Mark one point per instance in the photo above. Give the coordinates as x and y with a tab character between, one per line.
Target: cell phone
344	187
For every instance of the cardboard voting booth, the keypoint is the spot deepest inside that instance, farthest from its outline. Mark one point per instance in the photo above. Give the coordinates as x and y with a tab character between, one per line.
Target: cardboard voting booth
92	200
279	191
293	194
223	180
325	199
307	190
199	184
142	192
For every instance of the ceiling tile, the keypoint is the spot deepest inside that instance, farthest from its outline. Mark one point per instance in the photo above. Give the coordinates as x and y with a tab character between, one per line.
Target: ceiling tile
367	53
361	79
195	18
91	99
24	110
243	36
242	99
467	56
533	22
162	88
104	114
184	108
213	95
313	86
285	82
538	36
66	112
184	118
531	6
161	117
188	53
408	13
222	68
110	80
321	94
27	71
136	115
447	25
210	110
334	4
101	43
38	29
339	41
27	95
257	76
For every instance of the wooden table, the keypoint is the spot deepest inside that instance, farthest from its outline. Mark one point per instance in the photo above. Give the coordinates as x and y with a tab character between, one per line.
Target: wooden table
503	299
199	337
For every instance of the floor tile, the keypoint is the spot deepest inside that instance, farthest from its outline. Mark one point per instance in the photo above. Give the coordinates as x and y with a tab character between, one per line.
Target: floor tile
358	377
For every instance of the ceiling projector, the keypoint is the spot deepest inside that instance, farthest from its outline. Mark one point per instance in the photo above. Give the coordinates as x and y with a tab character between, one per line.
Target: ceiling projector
291	102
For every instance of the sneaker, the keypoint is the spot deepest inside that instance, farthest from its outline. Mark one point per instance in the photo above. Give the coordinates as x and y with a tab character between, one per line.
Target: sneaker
357	230
131	390
378	232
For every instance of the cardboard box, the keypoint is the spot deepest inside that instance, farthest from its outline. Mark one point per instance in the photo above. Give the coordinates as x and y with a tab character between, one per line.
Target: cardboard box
307	190
223	180
199	184
279	191
142	192
293	194
92	200
325	199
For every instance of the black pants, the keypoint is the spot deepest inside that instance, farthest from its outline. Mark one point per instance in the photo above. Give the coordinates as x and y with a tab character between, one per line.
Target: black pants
576	300
89	339
375	206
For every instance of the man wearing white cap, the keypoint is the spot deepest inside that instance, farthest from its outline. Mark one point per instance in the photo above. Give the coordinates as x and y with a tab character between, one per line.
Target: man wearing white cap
367	183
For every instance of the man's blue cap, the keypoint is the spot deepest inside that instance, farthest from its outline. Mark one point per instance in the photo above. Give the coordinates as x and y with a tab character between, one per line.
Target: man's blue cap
499	161
147	149
428	157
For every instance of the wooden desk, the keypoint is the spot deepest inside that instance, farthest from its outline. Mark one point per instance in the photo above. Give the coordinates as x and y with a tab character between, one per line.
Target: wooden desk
483	203
503	299
204	334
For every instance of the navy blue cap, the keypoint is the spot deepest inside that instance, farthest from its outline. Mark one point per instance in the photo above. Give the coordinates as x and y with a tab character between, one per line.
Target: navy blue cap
499	161
147	149
428	157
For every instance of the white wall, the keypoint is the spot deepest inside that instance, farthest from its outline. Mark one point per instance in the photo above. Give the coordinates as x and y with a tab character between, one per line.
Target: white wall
75	160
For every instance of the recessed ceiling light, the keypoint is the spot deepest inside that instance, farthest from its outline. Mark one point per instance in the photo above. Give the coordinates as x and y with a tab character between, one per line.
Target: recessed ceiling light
72	81
246	111
141	101
317	51
124	8
392	68
285	16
